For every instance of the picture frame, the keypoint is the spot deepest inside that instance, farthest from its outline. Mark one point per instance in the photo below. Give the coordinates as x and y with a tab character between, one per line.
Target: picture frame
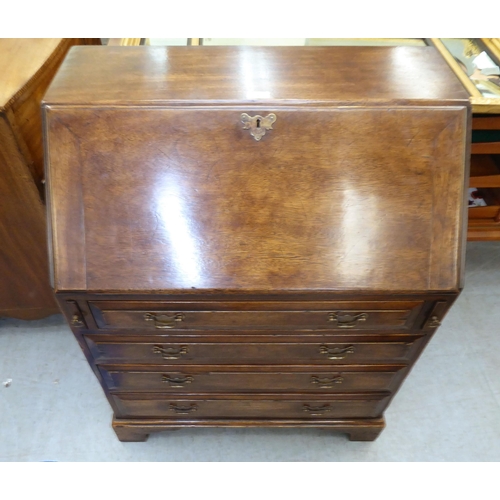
460	54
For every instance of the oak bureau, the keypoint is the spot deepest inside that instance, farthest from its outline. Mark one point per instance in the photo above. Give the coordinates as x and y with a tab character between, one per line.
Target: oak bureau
255	236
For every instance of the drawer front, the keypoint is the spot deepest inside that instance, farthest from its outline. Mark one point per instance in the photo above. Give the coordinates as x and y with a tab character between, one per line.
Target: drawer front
345	406
249	353
328	316
204	380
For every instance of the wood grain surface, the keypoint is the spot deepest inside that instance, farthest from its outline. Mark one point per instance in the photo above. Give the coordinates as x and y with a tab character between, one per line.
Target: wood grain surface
318	203
127	75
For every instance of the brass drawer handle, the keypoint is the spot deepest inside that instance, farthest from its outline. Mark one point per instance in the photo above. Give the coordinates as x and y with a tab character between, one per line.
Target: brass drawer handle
258	124
316	410
164	321
326	382
336	352
177	381
345	320
170	352
183	410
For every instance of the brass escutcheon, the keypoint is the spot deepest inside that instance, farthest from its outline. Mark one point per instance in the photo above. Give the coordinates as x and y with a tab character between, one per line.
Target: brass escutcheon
258	124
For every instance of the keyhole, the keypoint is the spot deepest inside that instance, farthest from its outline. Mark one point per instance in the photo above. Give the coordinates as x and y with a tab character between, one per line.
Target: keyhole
258	122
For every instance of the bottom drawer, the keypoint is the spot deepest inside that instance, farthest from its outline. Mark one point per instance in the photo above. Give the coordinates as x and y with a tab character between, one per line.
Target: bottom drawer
337	406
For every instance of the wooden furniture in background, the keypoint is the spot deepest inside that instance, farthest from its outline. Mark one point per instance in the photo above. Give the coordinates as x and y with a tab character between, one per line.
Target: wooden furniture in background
484	222
130	42
125	42
244	237
26	69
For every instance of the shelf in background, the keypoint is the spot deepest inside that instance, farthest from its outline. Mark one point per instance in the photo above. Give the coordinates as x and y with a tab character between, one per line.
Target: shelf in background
484	171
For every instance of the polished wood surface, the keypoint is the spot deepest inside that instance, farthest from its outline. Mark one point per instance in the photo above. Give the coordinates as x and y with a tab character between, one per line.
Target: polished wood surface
314	379
27	66
269	315
24	285
257	75
213	279
328	350
137	430
26	69
364	405
207	223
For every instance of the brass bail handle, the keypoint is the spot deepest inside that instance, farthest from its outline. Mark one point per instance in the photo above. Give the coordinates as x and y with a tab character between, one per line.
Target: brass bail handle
258	125
164	321
346	320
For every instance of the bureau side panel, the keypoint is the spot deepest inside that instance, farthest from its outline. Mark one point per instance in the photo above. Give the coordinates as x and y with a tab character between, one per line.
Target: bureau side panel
450	167
65	203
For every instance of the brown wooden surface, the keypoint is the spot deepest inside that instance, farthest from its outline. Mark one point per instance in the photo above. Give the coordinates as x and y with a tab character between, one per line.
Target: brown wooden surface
359	405
137	430
26	69
292	315
24	285
328	351
116	75
484	172
481	148
484	230
484	222
221	223
486	122
483	212
27	66
180	243
208	379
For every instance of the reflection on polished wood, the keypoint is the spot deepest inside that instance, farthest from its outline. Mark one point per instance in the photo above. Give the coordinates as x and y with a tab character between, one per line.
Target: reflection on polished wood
258	75
334	241
207	223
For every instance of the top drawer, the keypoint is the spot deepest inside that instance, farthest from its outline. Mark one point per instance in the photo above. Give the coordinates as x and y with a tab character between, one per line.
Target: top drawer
269	315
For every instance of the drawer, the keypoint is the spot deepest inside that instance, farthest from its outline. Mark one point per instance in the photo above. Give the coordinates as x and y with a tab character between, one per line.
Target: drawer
206	379
114	351
291	315
273	406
